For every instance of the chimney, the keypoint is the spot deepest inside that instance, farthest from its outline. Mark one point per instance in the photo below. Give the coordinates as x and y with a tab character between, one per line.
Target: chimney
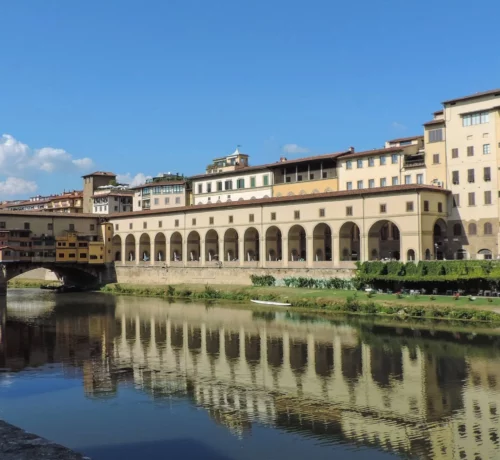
282	159
351	149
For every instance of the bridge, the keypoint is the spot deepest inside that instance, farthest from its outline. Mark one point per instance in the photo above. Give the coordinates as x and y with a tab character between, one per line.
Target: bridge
74	246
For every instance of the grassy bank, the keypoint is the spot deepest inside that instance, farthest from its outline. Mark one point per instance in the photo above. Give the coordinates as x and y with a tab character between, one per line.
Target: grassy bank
31	283
335	301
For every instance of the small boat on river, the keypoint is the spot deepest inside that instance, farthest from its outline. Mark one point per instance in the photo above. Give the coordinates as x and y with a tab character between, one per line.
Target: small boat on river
267	302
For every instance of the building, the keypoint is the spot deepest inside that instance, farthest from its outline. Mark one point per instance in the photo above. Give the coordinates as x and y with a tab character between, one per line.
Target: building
70	202
162	192
110	199
91	182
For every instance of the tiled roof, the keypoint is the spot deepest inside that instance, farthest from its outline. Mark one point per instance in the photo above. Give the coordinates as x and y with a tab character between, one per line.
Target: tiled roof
368	153
492	92
55	215
162	182
100	195
284	199
434	122
439	112
101	173
403	139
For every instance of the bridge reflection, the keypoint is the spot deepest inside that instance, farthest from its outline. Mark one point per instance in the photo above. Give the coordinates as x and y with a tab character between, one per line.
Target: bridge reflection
396	389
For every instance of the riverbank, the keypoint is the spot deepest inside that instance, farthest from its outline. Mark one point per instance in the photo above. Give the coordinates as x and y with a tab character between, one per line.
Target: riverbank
16	444
20	283
332	301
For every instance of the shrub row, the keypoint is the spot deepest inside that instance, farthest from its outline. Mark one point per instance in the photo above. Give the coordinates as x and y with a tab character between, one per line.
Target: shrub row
304	282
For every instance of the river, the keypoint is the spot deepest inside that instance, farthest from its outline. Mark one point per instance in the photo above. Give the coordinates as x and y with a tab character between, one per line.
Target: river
142	378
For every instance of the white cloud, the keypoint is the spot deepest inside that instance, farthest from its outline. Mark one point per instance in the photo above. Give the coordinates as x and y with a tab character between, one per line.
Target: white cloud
294	149
16	185
133	181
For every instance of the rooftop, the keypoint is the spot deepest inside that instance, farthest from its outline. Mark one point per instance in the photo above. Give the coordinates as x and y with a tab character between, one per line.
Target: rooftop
160	182
368	153
404	139
101	173
434	122
491	92
54	215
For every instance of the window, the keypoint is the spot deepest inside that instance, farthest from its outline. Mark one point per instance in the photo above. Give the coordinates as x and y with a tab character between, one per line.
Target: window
200	188
420	179
472	229
487	197
178	200
176	223
408	179
470	176
456	200
486	149
219	186
348	186
2	224
348	164
383	182
209	187
325	175
251	218
457	230
71	227
273	216
488	228
371	161
383	160
49	226
472	199
144	225
440	207
230	219
116	208
252	182
139	203
359	163
394	158
266	180
426	206
436	135
296	215
322	212
371	183
395	180
435	158
455	177
409	206
487	174
193	221
157	201
92	227
299	178
470	151
167	200
454	153
61	255
348	211
211	220
240	183
360	184
117	227
476	118
311	176
228	185
383	208
27	226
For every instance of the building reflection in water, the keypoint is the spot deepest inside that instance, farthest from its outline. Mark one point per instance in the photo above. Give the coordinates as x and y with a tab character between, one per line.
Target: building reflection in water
415	393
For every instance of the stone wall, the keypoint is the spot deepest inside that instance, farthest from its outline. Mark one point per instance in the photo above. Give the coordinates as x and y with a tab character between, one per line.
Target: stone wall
209	275
38	274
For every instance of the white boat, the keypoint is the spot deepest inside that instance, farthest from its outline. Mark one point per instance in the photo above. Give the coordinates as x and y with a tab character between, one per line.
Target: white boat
276	304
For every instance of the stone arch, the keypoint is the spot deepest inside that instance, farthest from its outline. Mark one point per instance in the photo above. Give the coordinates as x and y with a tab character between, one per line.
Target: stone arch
231	245
274	244
440	239
176	247
130	248
322	242
349	242
144	248
251	244
253	198
211	245
240	199
384	236
427	254
485	254
410	255
117	248
297	244
193	246
160	247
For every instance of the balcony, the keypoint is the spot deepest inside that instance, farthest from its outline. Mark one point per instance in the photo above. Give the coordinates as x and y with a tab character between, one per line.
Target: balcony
414	161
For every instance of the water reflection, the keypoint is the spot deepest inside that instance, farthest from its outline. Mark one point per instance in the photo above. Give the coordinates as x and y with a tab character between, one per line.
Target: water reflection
417	393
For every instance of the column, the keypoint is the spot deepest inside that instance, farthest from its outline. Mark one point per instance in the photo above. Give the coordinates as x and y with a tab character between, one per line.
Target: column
123	251
167	252
3	338
310	256
137	252
284	251
203	254
152	258
184	250
221	252
335	251
242	257
3	280
262	252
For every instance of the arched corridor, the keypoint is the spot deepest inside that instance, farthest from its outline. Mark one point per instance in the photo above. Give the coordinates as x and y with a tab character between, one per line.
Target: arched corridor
130	248
349	242
193	246
297	244
251	245
117	248
274	244
211	246
440	240
322	243
231	245
160	247
144	248
384	241
176	247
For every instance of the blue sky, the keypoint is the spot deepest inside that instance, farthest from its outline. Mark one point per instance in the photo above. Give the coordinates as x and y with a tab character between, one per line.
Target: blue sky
157	85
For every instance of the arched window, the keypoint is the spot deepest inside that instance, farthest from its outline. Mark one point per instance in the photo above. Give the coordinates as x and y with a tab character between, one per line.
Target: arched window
485	254
457	230
410	255
427	254
472	229
488	228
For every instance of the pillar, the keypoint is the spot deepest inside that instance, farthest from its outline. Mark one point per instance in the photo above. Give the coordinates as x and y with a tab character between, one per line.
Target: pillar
310	251
284	251
203	254
3	280
123	251
137	251
262	252
167	260
184	249
242	257
335	251
152	255
3	338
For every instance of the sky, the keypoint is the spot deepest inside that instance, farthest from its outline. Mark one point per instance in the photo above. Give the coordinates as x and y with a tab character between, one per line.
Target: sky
141	87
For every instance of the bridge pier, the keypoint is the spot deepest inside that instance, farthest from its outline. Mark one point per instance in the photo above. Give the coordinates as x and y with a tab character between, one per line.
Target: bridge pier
3	280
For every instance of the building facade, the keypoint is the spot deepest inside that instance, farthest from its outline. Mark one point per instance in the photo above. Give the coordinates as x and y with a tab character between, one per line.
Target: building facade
162	192
91	182
112	199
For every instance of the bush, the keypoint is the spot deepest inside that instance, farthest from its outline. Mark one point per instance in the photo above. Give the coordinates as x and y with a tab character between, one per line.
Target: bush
170	291
264	280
